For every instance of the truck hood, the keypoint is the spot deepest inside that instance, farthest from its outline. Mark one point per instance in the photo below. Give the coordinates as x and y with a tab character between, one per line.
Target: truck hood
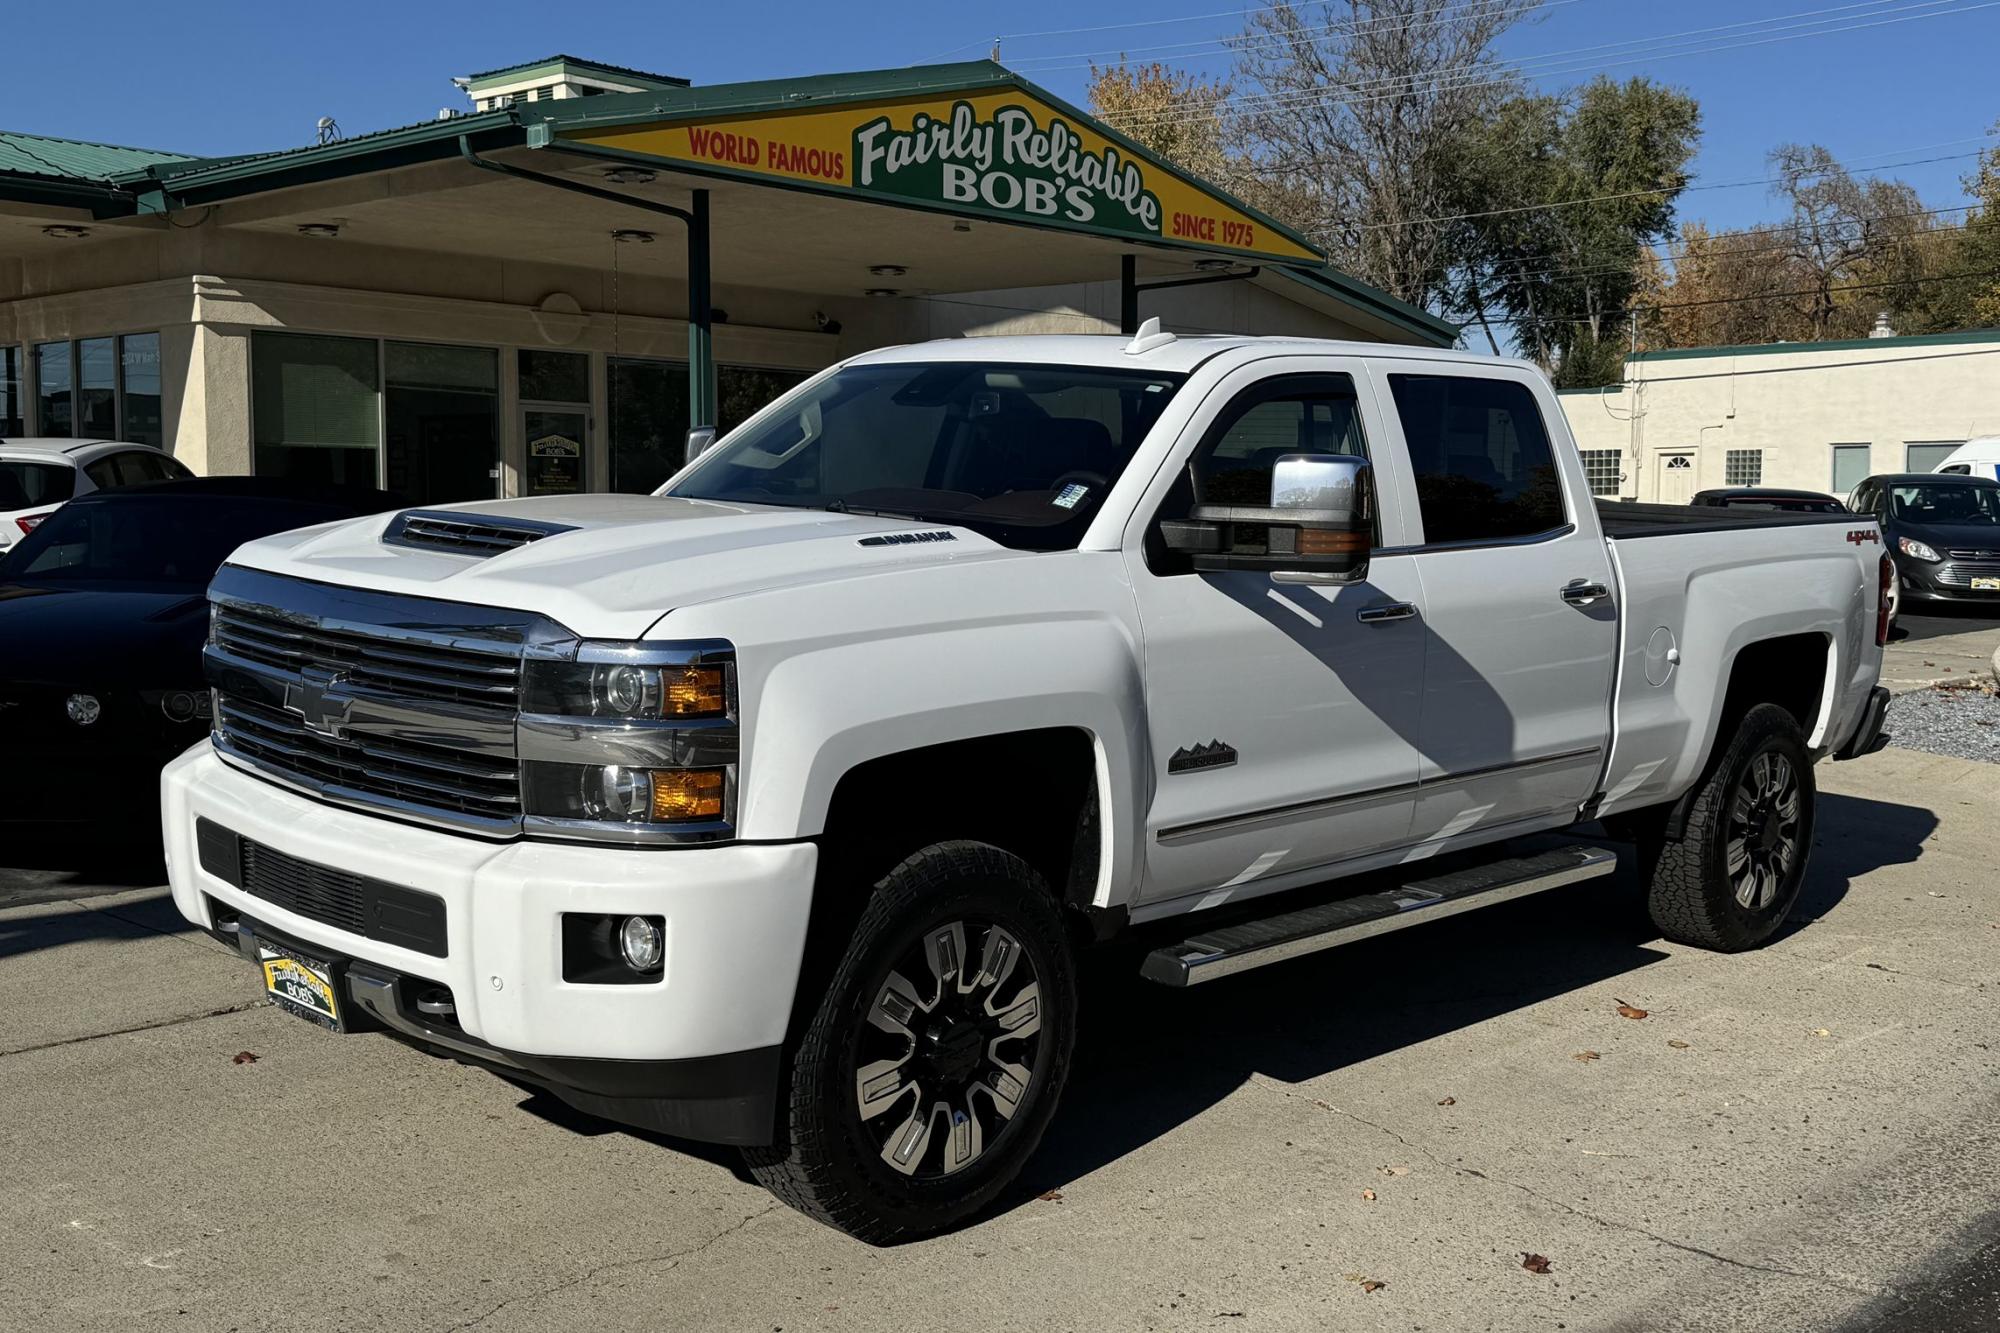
618	562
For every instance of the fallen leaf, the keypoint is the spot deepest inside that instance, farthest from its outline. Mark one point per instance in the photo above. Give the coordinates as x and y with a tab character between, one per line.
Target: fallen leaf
1534	1263
1050	1196
1933	893
1365	1282
243	1058
1586	1056
1448	1101
1627	1011
1821	1032
1372	1285
1677	1044
1368	1195
1394	1170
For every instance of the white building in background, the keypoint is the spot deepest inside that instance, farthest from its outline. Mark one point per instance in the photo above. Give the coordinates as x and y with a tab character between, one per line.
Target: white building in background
1817	416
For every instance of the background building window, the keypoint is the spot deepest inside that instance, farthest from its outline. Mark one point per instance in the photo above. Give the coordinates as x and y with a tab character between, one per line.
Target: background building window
441	422
1850	466
13	411
97	389
315	407
1925	455
139	418
1603	469
1743	467
554	377
54	381
649	414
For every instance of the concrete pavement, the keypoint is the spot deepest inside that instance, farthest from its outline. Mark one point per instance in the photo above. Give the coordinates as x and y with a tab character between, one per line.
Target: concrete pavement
1943	644
1790	1139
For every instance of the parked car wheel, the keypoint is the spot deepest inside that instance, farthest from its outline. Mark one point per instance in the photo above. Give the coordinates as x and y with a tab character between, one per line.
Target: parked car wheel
1732	877
932	1065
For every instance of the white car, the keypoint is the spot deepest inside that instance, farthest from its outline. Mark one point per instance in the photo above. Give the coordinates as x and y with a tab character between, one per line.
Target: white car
36	476
781	807
1977	457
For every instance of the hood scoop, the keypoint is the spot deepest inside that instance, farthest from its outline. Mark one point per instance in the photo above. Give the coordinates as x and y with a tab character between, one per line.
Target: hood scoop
465	534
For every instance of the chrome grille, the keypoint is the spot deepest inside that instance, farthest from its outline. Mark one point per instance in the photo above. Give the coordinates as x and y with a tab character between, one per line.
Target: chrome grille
465	534
1973	555
1960	575
400	704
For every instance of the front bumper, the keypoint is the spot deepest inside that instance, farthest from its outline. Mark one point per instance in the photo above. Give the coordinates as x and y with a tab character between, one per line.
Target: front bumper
707	1031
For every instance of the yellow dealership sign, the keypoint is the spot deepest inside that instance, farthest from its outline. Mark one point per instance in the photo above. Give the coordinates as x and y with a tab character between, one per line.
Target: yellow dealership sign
999	152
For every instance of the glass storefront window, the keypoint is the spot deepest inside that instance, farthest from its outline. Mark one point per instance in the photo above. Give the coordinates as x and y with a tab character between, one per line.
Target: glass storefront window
97	389
315	407
139	374
53	385
554	377
13	411
649	414
441	413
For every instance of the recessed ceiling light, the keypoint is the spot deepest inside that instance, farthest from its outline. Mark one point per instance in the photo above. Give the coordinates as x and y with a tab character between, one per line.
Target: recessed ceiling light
1213	265
630	176
66	233
887	270
323	230
882	291
632	236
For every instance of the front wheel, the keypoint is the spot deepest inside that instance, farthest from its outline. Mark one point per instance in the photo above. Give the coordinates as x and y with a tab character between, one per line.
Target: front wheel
1730	880
930	1068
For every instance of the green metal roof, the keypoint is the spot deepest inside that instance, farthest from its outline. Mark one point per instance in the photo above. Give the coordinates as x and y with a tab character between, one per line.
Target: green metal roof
73	159
614	73
1836	345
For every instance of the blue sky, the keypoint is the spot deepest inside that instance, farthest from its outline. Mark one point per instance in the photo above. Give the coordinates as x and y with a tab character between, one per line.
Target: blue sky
234	77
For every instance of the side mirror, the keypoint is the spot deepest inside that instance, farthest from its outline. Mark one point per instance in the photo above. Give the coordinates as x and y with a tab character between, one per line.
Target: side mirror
1318	528
699	441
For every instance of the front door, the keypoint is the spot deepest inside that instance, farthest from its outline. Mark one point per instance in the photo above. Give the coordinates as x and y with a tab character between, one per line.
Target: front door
1518	596
1283	726
555	439
1676	479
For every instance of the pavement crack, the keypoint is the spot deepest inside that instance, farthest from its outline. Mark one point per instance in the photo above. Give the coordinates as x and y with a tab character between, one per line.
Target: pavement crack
672	1259
142	1027
1609	1223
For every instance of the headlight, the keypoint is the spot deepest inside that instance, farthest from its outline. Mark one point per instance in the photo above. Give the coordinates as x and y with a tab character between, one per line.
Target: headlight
1912	547
627	796
642	682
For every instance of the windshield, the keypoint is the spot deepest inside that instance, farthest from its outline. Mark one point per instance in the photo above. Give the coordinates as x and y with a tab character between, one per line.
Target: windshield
1945	504
1023	454
178	542
24	485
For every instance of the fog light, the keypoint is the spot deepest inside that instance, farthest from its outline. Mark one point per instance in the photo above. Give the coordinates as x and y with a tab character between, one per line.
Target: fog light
83	709
640	942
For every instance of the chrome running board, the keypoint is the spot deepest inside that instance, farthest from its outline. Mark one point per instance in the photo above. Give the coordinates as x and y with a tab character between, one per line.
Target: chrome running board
1248	944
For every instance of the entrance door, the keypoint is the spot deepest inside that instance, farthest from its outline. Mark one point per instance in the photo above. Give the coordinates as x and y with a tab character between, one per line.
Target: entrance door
1283	716
555	441
1676	479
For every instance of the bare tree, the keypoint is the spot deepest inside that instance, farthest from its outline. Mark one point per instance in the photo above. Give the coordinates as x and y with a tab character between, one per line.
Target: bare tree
1350	109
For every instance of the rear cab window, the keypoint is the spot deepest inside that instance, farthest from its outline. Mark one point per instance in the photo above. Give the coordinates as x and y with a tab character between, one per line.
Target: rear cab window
25	484
1480	455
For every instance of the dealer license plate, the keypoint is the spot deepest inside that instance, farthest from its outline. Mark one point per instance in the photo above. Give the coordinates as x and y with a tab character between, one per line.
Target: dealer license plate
1986	585
305	986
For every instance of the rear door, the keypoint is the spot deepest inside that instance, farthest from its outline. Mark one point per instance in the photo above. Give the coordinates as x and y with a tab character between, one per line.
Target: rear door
1517	590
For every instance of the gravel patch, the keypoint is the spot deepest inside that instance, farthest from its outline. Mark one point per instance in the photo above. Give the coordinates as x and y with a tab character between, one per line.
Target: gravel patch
1959	720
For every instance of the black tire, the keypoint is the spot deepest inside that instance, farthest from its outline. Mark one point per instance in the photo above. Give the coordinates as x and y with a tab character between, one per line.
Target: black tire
832	1163
1733	876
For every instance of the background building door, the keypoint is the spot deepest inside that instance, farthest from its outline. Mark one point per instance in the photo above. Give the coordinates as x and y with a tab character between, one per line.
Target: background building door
1676	479
555	439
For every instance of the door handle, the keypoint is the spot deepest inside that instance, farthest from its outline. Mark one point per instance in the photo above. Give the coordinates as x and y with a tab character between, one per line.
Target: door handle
1582	593
1377	615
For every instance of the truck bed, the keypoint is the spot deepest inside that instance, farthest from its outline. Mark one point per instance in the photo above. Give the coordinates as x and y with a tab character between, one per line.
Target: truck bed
1622	521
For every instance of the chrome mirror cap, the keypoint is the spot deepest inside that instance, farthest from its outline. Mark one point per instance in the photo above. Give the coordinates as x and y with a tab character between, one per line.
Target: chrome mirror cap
699	441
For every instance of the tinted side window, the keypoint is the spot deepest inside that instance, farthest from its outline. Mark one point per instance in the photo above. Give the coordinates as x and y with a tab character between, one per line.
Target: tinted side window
141	469
1484	468
103	473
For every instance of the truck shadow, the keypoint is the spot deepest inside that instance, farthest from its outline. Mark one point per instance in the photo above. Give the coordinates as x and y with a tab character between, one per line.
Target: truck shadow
1150	1059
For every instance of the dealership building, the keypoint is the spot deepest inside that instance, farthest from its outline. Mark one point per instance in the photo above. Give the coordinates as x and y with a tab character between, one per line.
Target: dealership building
542	289
1815	416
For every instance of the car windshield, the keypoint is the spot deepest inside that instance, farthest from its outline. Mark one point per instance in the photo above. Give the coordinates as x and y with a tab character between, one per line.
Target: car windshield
166	542
1932	503
24	485
1023	454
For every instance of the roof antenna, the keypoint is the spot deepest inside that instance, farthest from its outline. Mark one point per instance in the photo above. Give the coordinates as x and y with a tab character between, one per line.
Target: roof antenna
1148	337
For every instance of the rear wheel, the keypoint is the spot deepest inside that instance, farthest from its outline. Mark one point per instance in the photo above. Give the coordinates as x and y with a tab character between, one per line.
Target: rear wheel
932	1065
1733	876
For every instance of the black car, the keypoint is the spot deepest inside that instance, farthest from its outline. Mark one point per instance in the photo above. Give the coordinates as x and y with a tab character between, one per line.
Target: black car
1769	497
103	611
1943	530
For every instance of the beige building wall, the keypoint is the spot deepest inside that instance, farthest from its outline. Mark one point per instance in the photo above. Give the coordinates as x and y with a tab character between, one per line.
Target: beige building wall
1679	414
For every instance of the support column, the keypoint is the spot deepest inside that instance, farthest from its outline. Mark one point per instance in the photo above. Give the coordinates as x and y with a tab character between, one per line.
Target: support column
701	336
1128	294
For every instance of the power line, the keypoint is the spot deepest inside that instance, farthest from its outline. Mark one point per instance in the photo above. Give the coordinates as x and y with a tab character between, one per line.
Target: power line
1741	300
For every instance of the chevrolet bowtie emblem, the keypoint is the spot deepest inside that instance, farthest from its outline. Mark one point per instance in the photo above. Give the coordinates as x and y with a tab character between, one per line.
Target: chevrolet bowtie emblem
313	696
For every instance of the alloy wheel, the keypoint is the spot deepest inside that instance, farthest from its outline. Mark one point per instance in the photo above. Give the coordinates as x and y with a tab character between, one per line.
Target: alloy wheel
1763	830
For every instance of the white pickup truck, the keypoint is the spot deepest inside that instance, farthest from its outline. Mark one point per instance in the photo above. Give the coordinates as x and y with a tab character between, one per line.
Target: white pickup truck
777	808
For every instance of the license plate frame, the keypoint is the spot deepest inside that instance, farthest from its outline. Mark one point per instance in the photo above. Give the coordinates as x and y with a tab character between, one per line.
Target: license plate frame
1985	584
302	984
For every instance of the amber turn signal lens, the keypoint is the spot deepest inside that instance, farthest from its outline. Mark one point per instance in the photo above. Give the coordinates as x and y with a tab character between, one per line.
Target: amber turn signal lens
695	691
681	794
1318	541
